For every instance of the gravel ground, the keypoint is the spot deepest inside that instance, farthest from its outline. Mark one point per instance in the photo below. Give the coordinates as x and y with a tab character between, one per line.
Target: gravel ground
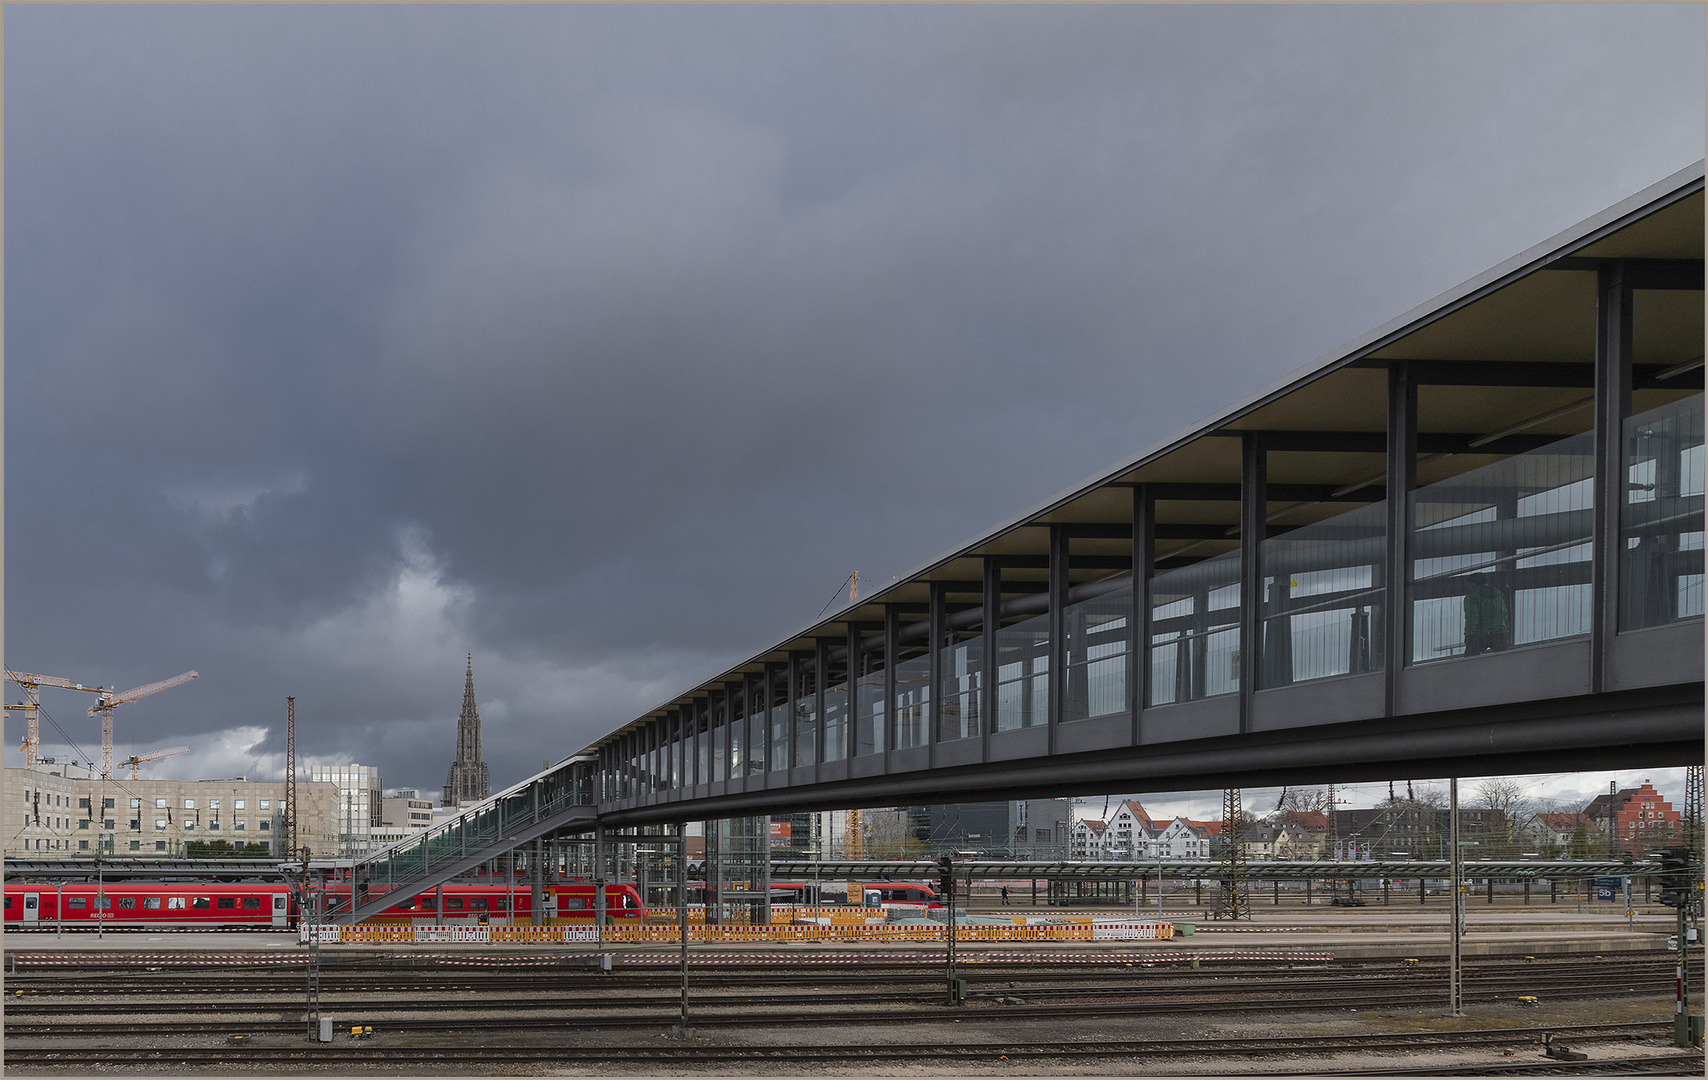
985	1023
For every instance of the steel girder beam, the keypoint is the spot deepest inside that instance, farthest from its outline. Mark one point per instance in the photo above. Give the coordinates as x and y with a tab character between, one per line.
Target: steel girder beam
1614	730
1127	871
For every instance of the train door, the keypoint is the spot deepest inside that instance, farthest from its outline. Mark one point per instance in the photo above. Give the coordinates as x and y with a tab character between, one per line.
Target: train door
32	907
279	909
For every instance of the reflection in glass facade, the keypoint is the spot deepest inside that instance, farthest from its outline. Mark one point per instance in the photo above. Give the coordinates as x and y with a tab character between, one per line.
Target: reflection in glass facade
1023	674
1501	554
781	710
1323	598
869	709
757	725
1195	630
1660	521
959	715
836	722
913	701
1095	679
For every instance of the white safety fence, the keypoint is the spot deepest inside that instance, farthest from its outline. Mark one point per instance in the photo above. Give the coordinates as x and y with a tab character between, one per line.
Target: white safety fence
1078	930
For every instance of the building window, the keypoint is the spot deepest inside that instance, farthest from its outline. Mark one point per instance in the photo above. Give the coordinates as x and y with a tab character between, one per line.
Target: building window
213	804
107	823
213	826
106	804
238	825
136	845
160	845
160	804
82	845
237	803
83	803
160	824
266	804
189	826
136	804
189	804
136	824
83	824
266	825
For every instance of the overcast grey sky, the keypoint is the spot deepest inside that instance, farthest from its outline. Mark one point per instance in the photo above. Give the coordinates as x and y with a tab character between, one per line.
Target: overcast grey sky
604	342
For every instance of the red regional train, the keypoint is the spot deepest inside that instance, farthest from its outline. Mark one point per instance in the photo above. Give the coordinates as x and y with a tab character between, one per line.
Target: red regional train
257	905
871	893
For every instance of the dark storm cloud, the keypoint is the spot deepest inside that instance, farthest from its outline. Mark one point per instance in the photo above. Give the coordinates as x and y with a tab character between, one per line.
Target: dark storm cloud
604	342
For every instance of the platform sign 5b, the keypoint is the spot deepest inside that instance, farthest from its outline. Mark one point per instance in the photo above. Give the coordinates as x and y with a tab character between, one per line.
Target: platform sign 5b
1607	889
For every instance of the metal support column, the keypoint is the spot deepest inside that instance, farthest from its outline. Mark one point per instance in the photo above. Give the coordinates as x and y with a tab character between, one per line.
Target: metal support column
1138	623
1455	990
1402	478
1612	407
856	660
537	884
1058	584
682	919
936	630
821	672
992	620
1253	506
599	883
892	713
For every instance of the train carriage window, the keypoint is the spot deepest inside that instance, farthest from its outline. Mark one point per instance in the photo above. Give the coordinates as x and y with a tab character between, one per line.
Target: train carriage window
105	903
478	904
498	903
405	905
151	901
252	903
574	903
225	903
127	902
80	902
199	903
9	901
429	903
453	903
175	902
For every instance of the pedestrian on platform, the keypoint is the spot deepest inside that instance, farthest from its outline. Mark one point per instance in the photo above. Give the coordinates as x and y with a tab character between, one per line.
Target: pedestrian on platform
1005	896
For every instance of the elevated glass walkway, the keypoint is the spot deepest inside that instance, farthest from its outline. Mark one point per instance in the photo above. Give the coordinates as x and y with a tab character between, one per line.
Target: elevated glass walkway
560	799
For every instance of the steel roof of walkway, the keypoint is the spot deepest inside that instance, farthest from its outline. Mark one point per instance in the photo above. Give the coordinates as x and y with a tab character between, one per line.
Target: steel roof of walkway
1533	415
1521	357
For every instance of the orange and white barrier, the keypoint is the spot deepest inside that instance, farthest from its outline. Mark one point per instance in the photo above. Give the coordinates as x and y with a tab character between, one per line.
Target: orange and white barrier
871	929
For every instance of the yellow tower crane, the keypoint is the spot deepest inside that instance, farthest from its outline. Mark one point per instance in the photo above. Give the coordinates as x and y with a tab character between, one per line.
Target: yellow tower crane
31	707
109	702
135	760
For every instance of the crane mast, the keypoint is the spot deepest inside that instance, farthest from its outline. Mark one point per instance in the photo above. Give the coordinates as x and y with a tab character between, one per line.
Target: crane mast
31	706
109	702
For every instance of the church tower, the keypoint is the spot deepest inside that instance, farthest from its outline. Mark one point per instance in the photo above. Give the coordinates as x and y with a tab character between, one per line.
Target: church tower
466	784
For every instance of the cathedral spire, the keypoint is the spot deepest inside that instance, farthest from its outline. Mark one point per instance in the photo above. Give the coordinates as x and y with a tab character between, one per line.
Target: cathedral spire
466	782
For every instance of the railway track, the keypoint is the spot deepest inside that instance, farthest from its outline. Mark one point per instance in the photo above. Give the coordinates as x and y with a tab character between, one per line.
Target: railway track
29	991
1488	984
691	1051
766	1011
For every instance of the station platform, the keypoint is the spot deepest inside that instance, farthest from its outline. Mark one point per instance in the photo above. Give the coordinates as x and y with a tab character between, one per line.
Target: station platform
1348	935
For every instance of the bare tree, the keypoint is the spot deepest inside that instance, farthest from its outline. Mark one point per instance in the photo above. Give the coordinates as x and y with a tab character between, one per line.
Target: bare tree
1508	806
1303	801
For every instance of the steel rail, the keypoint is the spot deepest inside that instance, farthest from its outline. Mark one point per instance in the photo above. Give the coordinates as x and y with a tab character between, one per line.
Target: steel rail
371	1052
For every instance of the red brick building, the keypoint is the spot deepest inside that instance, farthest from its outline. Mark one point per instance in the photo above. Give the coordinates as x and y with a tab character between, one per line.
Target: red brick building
1638	818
